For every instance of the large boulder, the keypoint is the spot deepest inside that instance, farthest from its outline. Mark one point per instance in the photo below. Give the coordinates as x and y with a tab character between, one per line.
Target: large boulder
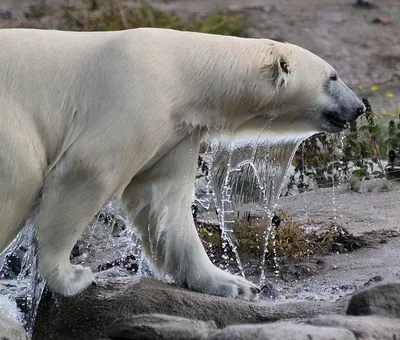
90	315
379	299
327	327
161	327
365	327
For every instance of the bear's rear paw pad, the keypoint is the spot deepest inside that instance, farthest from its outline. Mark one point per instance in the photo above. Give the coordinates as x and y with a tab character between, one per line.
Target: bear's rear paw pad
71	280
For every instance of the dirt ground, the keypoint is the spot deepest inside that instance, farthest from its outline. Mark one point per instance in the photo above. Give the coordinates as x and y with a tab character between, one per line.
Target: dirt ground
372	215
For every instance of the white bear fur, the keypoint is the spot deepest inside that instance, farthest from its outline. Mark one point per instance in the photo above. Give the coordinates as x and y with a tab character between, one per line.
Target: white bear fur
89	117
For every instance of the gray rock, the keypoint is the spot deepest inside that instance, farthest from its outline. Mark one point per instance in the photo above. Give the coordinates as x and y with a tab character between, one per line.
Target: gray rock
379	299
11	330
90	315
327	327
160	327
268	291
365	327
281	331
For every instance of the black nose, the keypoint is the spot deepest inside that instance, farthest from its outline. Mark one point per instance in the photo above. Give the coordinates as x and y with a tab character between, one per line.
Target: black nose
361	110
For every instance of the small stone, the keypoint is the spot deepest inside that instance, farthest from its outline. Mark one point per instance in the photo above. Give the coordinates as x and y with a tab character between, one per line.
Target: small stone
382	20
365	4
338	248
268	291
374	279
348	287
379	299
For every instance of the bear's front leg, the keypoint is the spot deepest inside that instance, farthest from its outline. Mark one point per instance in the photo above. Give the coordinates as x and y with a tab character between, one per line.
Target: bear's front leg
159	203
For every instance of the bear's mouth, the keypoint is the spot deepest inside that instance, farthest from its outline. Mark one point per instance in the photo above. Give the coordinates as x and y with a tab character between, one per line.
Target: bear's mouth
335	121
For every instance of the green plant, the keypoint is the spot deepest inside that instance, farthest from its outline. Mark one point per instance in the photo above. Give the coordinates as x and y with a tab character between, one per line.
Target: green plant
316	159
393	140
363	146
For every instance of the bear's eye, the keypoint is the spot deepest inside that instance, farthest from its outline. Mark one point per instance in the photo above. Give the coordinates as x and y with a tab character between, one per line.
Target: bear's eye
333	77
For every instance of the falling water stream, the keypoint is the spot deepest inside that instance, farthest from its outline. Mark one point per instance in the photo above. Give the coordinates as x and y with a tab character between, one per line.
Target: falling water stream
248	176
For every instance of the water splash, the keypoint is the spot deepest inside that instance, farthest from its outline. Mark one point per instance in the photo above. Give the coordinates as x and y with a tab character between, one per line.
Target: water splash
32	285
248	176
29	287
114	239
337	176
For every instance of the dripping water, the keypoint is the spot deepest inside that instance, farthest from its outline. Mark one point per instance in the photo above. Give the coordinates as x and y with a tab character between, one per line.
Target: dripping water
31	285
223	203
248	176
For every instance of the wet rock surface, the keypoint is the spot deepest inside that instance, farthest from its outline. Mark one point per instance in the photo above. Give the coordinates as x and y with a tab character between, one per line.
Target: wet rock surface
91	314
149	309
379	299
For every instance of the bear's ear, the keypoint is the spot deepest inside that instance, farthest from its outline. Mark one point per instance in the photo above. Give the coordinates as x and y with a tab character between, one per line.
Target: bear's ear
279	69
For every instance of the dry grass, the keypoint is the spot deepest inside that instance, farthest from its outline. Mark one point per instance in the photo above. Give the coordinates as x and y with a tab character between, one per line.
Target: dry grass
354	183
291	241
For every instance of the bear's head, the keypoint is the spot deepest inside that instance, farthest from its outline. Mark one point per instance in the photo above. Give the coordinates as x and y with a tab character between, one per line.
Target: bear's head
310	96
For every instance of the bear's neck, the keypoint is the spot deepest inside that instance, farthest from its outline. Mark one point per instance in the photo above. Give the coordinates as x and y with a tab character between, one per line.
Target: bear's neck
222	85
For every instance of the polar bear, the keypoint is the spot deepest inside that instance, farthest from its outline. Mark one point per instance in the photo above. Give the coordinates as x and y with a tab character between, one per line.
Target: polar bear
89	117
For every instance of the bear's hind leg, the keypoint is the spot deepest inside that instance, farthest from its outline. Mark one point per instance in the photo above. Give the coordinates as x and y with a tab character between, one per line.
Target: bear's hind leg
20	183
70	200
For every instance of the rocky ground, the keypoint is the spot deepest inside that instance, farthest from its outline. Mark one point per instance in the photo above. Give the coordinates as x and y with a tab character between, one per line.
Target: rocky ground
364	45
153	310
310	297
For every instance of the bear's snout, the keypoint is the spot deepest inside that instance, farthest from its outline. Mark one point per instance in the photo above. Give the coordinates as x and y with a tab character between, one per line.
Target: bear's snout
358	112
